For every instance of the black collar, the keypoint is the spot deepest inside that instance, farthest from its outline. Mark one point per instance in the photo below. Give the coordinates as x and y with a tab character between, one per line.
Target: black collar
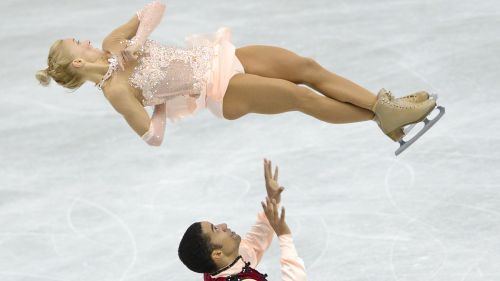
226	267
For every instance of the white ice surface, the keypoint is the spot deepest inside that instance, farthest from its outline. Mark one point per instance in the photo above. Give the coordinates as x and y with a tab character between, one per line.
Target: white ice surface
82	198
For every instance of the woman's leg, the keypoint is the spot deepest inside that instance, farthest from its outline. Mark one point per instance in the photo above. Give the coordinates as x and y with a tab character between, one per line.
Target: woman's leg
280	63
248	93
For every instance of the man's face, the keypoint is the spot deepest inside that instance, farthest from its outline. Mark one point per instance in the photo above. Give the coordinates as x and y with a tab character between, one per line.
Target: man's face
222	236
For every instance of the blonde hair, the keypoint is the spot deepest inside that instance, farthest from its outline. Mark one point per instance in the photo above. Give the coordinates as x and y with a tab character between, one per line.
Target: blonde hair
59	69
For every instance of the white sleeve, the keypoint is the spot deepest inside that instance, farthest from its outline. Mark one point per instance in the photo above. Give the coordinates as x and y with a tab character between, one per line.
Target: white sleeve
292	266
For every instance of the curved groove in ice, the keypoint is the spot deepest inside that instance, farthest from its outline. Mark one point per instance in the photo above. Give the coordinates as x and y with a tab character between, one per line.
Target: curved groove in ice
117	219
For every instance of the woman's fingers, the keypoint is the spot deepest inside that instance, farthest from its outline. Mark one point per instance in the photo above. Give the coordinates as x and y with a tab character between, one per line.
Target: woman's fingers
128	56
120	63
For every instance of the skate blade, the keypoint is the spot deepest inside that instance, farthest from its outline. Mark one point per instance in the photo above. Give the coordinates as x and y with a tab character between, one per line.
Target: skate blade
410	127
428	123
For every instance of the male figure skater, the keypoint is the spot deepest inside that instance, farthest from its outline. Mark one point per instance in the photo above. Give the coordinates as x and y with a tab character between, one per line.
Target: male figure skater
222	255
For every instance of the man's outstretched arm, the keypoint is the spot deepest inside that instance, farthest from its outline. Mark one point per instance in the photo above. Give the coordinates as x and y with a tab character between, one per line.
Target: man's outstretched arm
292	266
260	236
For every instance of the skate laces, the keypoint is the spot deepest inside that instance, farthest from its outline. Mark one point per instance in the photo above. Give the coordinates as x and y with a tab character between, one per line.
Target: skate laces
391	101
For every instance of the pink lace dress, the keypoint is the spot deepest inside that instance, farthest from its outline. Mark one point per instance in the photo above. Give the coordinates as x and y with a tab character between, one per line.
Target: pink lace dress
178	81
187	79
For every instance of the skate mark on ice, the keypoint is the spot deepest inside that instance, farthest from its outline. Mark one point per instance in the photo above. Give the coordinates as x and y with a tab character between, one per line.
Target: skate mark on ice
326	245
48	236
434	238
64	110
471	269
113	216
411	220
35	276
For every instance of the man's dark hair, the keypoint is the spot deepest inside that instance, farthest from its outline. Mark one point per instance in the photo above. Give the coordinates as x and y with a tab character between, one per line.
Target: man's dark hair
195	250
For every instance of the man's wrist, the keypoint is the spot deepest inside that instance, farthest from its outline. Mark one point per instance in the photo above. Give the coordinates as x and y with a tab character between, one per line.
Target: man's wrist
287	232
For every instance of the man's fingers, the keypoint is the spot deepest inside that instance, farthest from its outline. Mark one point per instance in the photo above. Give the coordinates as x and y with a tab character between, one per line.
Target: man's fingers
275	173
266	176
266	203
267	212
275	209
282	219
272	208
269	175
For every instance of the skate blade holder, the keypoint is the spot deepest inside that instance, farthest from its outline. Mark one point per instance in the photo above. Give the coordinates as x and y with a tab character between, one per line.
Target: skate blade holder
408	128
428	123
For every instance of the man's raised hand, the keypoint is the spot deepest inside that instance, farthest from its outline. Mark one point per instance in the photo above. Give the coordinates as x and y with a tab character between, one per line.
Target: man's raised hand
276	221
272	187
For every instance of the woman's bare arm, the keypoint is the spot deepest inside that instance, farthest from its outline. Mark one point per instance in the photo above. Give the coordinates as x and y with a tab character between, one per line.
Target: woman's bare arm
138	28
121	34
130	108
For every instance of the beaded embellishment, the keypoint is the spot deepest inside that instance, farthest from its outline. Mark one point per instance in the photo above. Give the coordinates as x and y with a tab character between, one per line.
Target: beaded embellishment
166	72
113	66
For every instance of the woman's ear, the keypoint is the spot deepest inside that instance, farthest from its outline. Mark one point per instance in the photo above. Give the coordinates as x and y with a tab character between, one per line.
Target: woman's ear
77	63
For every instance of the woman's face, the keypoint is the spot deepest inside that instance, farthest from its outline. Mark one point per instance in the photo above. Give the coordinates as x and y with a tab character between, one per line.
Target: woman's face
82	49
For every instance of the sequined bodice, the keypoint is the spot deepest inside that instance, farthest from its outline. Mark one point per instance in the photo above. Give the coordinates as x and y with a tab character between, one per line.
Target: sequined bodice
166	72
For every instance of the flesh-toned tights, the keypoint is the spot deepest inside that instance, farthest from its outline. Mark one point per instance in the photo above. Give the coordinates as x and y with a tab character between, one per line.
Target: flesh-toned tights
272	82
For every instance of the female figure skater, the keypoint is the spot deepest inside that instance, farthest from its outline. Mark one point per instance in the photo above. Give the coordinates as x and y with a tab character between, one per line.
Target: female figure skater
134	72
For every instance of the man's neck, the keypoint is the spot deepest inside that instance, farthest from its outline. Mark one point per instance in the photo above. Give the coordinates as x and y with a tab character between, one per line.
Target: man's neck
227	263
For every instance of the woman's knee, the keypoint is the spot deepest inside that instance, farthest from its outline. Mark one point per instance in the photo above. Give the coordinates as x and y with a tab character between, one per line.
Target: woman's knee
309	63
310	69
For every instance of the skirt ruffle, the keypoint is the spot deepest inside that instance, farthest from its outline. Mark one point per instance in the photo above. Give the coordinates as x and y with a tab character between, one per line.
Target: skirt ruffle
224	63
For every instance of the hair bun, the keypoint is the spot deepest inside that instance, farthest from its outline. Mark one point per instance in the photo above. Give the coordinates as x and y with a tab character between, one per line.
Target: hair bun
43	77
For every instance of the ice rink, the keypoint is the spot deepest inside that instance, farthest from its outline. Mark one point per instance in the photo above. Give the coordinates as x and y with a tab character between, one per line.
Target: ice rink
82	198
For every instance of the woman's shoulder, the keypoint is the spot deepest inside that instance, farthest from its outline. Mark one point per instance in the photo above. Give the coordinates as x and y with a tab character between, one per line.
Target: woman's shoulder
117	91
114	89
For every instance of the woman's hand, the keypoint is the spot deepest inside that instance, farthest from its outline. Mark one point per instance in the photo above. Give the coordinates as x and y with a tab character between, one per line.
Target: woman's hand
276	221
131	52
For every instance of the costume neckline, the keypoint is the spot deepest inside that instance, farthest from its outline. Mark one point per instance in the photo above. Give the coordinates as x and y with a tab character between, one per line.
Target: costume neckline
113	66
226	267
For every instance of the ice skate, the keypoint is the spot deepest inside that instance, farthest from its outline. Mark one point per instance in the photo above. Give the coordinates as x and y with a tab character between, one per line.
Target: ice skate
413	98
416	97
392	115
428	123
